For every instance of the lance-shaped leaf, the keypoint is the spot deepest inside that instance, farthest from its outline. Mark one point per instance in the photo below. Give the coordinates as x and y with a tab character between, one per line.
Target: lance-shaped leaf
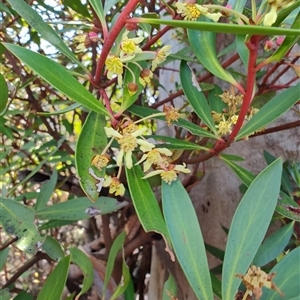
80	209
286	278
3	93
195	96
146	205
191	127
18	220
91	142
85	265
254	211
237	5
47	32
203	44
55	283
186	237
53	248
271	111
58	76
170	288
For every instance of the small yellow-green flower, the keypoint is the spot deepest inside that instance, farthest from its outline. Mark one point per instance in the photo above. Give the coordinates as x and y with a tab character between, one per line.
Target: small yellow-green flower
154	156
172	114
145	77
169	173
114	66
128	141
191	12
129	46
224	127
160	56
275	5
115	186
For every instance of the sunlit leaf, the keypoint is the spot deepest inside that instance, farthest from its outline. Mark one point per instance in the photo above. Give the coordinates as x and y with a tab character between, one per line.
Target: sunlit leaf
58	76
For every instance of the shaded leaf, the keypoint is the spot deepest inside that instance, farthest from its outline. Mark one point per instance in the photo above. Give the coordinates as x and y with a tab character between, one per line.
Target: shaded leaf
55	224
195	96
186	237
146	205
58	76
271	111
23	296
53	248
46	191
216	285
91	142
193	128
18	220
237	5
273	245
59	112
3	94
77	6
254	211
80	208
84	263
55	283
115	248
3	257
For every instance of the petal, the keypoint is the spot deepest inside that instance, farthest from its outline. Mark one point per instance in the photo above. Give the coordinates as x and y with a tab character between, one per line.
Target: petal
107	181
202	9
271	16
215	16
128	159
120	158
137	40
139	131
144	157
145	146
120	80
147	165
153	173
164	151
112	132
127	58
182	169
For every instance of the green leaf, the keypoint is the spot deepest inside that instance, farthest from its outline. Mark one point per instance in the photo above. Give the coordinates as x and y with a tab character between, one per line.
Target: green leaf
55	224
203	44
98	8
271	111
193	128
46	191
3	94
173	143
18	219
195	96
91	142
53	248
115	248
222	27
254	211
59	112
80	208
58	76
216	285
55	283
273	245
186	237
127	98
215	102
77	6
237	5
146	205
126	278
170	288
3	257
85	265
47	32
286	279
108	5
5	294
242	49
23	296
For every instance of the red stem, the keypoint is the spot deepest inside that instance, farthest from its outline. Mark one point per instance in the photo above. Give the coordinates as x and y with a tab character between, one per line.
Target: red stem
108	43
252	45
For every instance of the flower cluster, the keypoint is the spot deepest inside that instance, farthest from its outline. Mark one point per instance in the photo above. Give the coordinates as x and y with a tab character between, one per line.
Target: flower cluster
127	52
192	11
256	279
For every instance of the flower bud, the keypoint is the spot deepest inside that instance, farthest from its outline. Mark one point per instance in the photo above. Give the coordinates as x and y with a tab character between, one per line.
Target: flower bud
132	87
269	45
131	26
